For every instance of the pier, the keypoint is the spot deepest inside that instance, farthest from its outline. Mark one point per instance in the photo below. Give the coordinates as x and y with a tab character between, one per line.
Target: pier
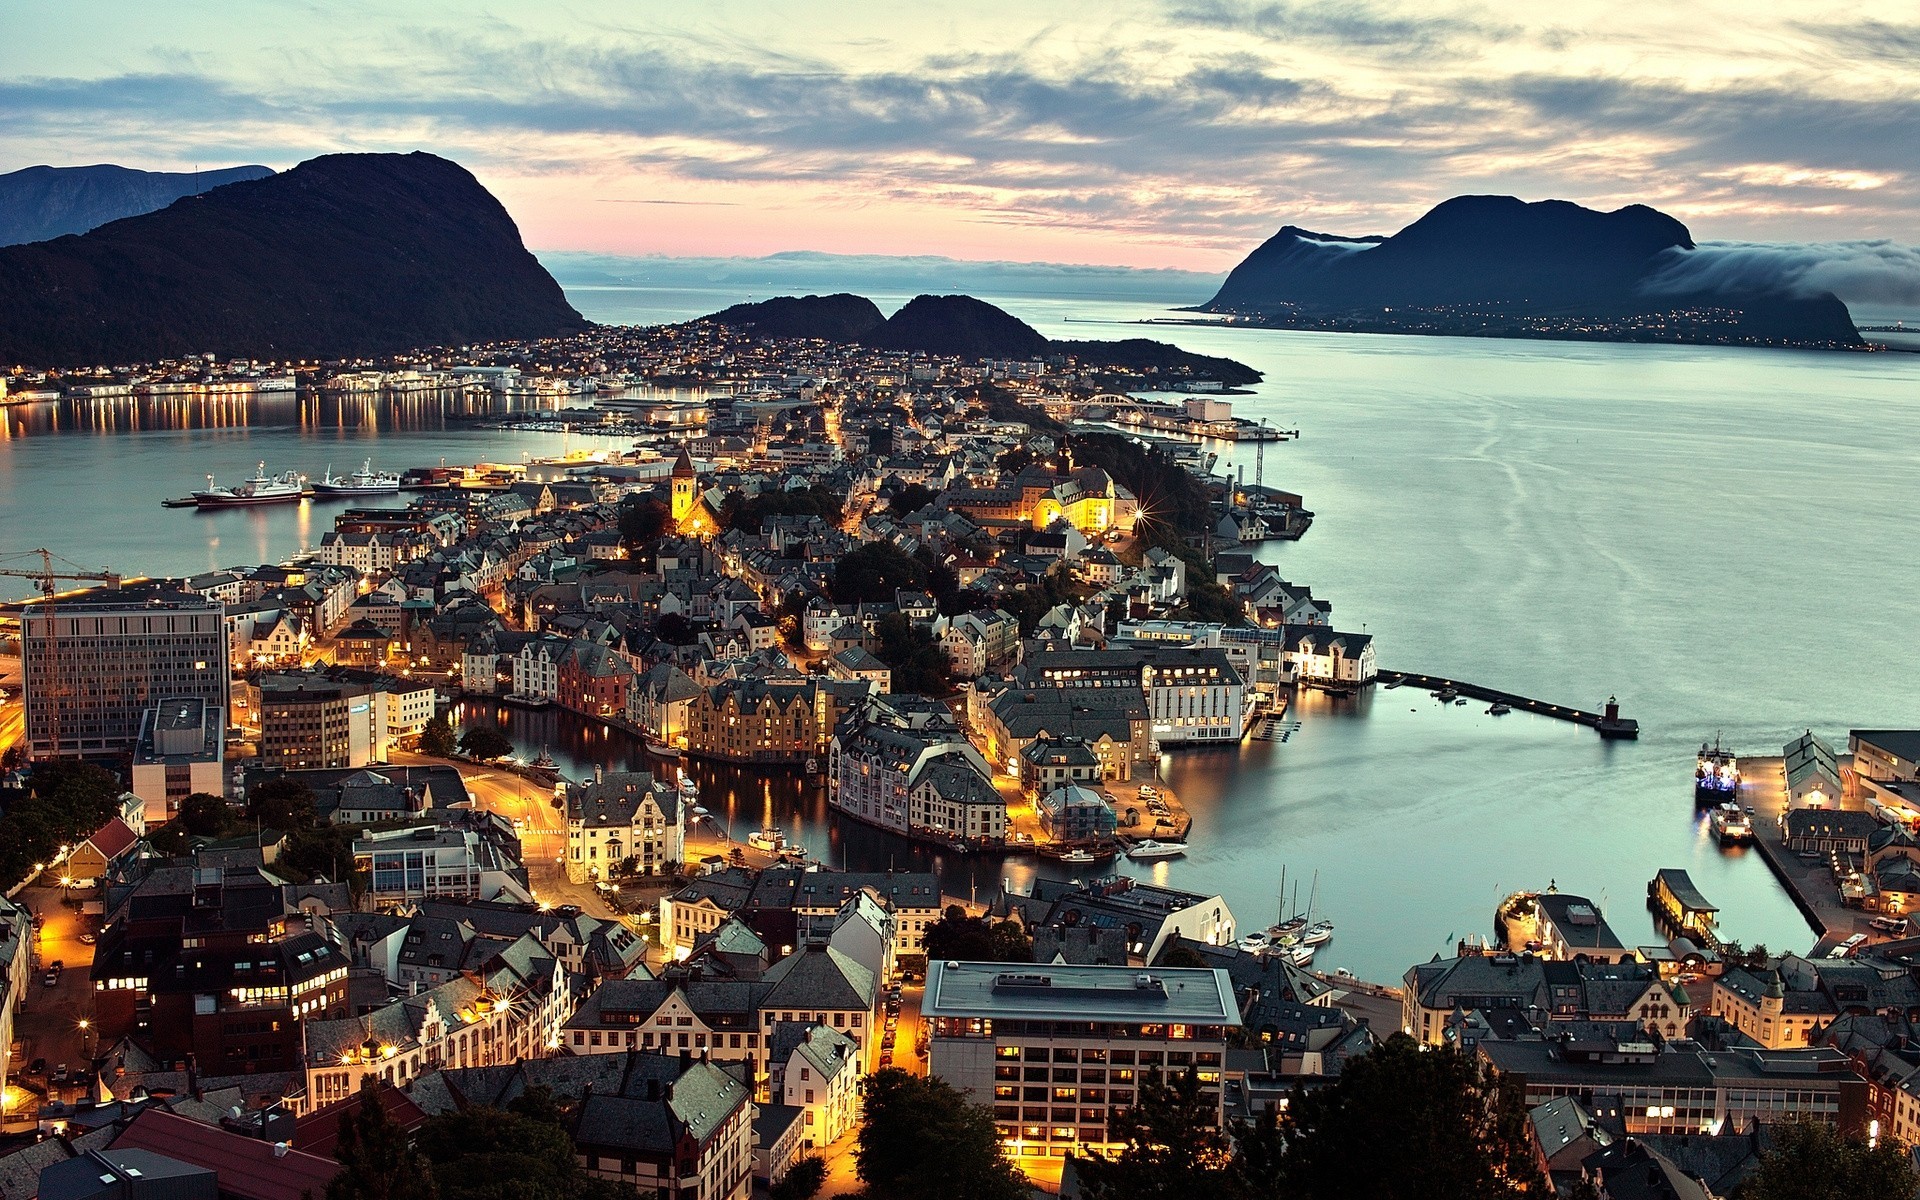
1610	724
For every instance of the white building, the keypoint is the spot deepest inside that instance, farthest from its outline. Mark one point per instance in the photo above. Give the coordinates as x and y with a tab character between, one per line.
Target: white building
1193	694
817	1070
622	815
536	669
182	750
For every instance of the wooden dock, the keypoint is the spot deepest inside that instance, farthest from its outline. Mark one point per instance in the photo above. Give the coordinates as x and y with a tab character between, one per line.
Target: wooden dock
1610	724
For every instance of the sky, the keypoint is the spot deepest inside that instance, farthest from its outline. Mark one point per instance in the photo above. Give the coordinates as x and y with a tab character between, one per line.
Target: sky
1157	133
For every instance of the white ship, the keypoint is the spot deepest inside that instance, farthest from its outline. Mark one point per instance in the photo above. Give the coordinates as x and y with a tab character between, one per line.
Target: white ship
364	482
1150	849
261	489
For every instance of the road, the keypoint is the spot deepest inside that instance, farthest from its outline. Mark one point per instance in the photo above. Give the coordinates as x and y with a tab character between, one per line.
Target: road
49	1022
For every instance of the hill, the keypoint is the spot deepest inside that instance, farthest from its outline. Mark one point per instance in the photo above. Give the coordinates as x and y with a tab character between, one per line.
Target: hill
38	203
342	256
1499	265
964	327
840	317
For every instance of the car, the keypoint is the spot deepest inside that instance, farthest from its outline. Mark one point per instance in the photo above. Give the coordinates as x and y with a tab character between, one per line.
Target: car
56	966
50	979
568	910
88	939
1897	926
37	1067
59	1074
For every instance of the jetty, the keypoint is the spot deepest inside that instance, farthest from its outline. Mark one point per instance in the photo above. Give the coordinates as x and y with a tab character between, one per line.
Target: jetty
1608	722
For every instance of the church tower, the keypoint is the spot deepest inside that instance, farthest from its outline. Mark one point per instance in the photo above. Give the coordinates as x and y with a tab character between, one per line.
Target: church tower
686	489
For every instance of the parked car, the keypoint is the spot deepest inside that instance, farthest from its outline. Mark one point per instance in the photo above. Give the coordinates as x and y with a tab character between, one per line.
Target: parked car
88	939
37	1067
1897	926
50	979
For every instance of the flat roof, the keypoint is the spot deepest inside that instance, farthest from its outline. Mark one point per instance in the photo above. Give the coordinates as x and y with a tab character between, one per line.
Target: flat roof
1062	992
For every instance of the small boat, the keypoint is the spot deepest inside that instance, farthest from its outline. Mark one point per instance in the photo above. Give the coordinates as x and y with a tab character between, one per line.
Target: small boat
1396	682
1078	857
1150	849
813	766
1289	929
662	750
772	839
545	761
364	482
1446	695
1459	699
1253	943
284	488
1300	955
1730	824
698	811
1497	709
1316	934
688	788
180	502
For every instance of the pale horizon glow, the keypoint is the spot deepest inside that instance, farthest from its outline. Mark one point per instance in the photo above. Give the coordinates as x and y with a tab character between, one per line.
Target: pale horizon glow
1146	133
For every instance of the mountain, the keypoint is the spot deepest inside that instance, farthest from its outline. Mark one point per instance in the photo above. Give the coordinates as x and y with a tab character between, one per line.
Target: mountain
840	317
962	327
342	256
1496	264
38	203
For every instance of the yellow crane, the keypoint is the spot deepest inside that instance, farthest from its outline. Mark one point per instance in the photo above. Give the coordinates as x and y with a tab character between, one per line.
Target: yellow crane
47	581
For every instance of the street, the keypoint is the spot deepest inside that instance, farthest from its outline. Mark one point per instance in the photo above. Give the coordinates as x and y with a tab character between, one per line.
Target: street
54	1023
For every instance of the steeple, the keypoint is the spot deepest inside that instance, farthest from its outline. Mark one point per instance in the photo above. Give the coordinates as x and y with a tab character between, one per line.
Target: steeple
683	466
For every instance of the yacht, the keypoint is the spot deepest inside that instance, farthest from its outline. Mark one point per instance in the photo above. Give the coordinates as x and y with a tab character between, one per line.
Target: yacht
772	839
1731	824
1078	857
1150	849
1300	955
261	489
364	482
1316	934
688	787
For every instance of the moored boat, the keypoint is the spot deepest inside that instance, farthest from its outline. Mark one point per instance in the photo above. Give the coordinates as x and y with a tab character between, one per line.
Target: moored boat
1148	850
1318	933
1078	857
772	839
1730	824
284	488
1716	775
364	482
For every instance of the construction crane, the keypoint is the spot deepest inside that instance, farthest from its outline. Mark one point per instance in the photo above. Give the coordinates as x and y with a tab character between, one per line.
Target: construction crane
46	579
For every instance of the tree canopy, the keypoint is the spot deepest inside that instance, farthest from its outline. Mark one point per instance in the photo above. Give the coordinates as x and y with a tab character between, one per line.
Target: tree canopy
376	1161
875	571
484	741
1814	1161
922	1140
522	1153
973	939
65	802
437	738
281	802
918	662
1173	1147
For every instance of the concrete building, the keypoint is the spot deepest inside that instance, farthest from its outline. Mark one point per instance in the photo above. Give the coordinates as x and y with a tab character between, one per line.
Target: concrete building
339	718
475	858
1194	695
1057	1049
92	666
902	763
182	750
1149	916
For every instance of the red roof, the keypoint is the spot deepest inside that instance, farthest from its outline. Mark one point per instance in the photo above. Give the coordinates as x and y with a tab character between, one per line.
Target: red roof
113	839
319	1132
245	1167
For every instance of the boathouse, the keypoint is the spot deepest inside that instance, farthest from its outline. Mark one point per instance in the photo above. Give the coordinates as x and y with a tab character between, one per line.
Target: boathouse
1672	891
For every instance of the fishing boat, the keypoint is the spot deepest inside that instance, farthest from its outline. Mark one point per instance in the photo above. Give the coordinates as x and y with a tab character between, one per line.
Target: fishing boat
1730	824
1078	857
364	482
1716	775
1498	709
285	488
772	839
1150	849
545	761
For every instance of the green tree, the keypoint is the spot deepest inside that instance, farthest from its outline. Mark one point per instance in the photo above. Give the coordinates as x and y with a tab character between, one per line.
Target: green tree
922	1140
65	802
282	802
802	1181
522	1154
644	520
13	757
971	939
918	662
319	850
484	741
1174	1147
376	1161
1179	954
1405	1123
911	499
203	814
437	738
1814	1161
1211	601
874	572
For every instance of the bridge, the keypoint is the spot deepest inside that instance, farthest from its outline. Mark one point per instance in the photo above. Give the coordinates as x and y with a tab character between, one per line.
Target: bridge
1610	724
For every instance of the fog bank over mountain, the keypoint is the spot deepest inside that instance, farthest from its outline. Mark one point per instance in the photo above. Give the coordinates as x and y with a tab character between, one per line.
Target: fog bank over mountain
1880	273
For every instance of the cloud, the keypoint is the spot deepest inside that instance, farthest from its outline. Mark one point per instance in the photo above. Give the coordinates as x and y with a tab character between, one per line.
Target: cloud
1346	23
1862	272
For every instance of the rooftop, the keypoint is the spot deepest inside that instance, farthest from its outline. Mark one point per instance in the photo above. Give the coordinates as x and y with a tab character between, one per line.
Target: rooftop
1067	992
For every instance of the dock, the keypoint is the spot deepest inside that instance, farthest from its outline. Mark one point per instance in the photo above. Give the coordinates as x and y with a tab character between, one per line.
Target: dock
1608	723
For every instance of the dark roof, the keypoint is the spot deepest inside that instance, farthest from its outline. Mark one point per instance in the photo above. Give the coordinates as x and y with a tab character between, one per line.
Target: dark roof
319	1131
248	1168
1901	743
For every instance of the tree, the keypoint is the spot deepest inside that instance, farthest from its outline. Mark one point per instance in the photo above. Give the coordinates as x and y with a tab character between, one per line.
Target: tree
971	939
922	1140
911	499
874	572
485	741
523	1153
13	757
1404	1123
918	662
1814	1161
1173	1149
319	850
437	738
802	1181
203	814
376	1161
1212	602
281	802
644	520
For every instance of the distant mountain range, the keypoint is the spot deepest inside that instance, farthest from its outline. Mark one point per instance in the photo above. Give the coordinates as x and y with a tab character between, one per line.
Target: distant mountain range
1498	266
48	202
963	327
342	256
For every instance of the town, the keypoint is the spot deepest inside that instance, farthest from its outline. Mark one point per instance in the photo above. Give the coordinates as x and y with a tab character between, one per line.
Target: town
279	885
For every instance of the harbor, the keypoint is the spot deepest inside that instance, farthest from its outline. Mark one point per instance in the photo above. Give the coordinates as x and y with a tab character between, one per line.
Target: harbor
1608	722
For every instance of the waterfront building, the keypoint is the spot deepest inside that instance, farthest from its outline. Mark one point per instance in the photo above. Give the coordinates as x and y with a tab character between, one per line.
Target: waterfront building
758	720
182	750
879	770
1830	830
1148	915
593	679
471	856
1193	695
93	665
1570	928
215	963
16	972
1058	1049
1540	992
1050	762
621	815
1813	773
536	668
1112	722
1072	813
1680	1087
1885	755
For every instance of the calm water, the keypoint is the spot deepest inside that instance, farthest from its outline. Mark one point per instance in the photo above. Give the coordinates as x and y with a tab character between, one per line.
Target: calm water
1719	537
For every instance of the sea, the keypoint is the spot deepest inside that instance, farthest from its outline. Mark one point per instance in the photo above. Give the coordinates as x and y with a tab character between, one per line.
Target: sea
1720	538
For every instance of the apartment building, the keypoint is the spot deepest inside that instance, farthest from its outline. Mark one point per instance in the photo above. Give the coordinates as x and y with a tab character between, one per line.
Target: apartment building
620	815
1194	695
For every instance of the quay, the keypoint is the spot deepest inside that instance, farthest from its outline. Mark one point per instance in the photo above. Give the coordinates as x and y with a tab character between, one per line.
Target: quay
1609	724
1811	885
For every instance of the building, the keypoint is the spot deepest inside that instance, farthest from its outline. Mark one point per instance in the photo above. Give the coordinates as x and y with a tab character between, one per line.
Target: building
1050	762
215	963
758	720
1072	813
1113	722
16	970
1885	755
856	663
1683	1088
1194	695
1571	928
880	769
1058	1049
92	666
96	857
1813	773
816	1069
475	857
339	718
679	1130
182	750
623	815
1147	915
